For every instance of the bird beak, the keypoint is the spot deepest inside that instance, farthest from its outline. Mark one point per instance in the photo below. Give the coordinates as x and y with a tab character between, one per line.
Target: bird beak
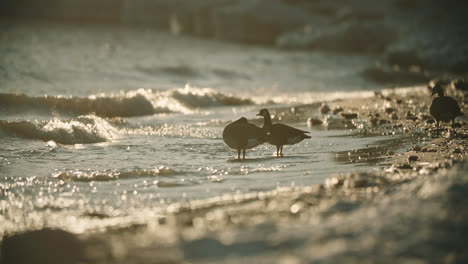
259	114
433	92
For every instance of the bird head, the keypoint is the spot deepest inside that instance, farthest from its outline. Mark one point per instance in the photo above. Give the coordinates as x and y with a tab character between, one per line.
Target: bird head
437	89
264	112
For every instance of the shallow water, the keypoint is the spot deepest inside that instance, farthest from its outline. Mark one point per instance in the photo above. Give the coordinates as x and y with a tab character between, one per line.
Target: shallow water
113	121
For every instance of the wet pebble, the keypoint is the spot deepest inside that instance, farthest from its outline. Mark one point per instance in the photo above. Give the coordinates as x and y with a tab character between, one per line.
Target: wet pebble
314	122
324	108
389	110
337	110
349	115
404	166
457	151
413	158
394	116
383	122
417	148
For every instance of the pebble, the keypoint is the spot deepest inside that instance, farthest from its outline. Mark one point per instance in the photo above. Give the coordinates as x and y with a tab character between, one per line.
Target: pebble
349	115
417	148
457	151
383	121
314	122
404	166
337	110
413	158
324	108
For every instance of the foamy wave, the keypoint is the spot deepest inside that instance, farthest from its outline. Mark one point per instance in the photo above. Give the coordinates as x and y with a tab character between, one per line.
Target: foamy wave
87	176
105	106
125	104
206	97
84	129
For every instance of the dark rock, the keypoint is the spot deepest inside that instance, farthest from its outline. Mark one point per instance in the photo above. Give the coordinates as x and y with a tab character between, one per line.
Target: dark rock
349	115
416	148
404	166
457	151
394	116
314	122
413	158
389	110
324	108
383	122
337	110
410	116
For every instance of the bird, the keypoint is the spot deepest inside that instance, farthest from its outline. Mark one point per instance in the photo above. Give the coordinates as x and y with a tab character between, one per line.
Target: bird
444	108
280	134
242	135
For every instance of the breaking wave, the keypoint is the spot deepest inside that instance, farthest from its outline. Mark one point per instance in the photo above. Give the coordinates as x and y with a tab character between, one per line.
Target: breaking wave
134	103
84	129
87	176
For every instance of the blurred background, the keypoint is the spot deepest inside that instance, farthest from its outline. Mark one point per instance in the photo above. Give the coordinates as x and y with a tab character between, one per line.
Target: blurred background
411	40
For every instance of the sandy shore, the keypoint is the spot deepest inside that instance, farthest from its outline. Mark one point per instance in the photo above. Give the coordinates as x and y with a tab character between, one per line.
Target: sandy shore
411	211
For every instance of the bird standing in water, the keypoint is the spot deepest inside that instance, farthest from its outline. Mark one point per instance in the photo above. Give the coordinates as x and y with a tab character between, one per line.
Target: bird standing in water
280	134
444	108
242	135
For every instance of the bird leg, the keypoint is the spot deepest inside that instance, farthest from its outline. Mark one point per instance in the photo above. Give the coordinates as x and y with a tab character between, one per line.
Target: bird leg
238	154
281	151
243	154
277	151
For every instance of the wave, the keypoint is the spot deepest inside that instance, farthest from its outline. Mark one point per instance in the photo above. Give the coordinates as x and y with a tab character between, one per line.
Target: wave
121	106
133	103
206	97
87	176
84	129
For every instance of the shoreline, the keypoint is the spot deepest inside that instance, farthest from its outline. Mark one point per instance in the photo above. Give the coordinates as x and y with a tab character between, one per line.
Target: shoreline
410	211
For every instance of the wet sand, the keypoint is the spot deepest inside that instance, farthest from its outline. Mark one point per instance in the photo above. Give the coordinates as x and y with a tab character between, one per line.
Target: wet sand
410	209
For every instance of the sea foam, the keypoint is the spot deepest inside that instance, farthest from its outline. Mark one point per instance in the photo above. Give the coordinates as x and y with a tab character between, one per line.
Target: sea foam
84	129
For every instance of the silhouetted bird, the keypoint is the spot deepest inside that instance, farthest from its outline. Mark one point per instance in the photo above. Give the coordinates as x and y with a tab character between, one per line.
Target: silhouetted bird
444	108
280	134
242	135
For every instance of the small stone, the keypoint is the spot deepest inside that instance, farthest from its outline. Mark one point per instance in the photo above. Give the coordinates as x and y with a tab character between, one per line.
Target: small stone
389	110
337	110
383	122
394	116
417	148
413	158
404	166
314	122
390	152
457	151
349	115
324	108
